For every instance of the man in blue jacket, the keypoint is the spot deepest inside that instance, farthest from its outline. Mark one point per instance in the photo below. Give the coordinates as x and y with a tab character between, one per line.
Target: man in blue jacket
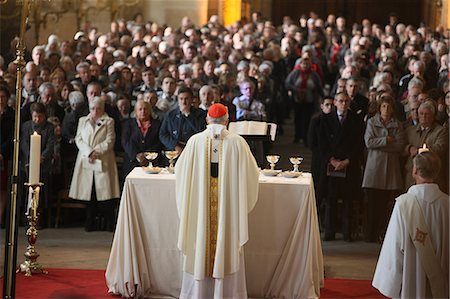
181	123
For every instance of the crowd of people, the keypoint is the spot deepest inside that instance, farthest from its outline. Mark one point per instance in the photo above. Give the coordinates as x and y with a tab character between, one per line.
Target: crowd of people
364	98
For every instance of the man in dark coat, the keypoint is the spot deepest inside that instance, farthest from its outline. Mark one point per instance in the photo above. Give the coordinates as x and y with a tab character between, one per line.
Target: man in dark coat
341	144
38	124
326	107
182	122
359	103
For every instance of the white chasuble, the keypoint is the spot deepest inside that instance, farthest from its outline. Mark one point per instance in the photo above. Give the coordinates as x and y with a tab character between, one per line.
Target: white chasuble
214	253
399	272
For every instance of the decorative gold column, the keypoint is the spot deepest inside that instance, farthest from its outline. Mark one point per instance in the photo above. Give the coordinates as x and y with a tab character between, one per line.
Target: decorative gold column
9	283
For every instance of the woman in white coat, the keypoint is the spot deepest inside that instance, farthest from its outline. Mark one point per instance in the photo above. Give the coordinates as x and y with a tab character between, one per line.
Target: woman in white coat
95	178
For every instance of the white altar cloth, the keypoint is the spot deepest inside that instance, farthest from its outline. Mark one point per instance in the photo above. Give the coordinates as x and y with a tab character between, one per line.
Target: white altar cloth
283	257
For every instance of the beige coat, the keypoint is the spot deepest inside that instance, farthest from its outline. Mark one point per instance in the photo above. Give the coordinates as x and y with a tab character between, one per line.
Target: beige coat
383	169
436	139
100	138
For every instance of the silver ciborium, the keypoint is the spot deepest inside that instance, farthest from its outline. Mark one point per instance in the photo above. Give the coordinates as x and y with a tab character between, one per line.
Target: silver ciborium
171	155
272	159
150	156
296	161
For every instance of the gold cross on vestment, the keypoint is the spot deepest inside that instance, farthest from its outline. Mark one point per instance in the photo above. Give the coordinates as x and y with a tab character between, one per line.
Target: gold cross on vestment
420	236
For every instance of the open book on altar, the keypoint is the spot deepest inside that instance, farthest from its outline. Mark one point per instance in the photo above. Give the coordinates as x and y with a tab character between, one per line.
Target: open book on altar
248	127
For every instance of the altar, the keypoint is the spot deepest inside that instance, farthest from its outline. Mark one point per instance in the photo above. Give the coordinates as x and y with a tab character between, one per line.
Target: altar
283	257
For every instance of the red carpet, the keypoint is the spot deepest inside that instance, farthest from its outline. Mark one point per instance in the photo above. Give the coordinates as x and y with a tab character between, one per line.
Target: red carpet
349	288
90	284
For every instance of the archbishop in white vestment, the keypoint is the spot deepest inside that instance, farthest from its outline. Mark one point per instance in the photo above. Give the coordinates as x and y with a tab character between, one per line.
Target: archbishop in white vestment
414	259
216	187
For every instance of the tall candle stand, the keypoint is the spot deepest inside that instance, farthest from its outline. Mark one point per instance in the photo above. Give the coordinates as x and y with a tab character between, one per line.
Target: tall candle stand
31	265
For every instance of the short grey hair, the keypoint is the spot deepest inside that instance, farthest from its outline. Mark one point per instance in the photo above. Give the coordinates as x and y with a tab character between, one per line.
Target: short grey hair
427	165
220	120
76	97
82	65
97	102
430	106
45	86
185	68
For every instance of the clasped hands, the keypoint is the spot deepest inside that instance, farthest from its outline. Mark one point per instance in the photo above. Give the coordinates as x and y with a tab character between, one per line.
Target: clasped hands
93	156
339	164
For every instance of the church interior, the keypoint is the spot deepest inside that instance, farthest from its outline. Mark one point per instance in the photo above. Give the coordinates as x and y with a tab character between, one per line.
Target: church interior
340	264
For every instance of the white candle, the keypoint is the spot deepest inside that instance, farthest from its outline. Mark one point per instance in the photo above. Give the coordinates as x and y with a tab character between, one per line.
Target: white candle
35	158
423	148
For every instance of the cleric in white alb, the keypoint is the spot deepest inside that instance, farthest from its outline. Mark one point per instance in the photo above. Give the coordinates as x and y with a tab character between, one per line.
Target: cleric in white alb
216	188
414	259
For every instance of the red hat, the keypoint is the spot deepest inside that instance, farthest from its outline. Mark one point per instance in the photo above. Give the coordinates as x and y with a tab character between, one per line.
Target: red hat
217	111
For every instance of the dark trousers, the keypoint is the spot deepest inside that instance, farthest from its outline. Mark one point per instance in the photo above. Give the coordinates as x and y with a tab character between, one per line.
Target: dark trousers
100	215
302	118
379	209
338	188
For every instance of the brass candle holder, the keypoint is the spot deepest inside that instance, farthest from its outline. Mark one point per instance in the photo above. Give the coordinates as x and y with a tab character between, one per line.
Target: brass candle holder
30	265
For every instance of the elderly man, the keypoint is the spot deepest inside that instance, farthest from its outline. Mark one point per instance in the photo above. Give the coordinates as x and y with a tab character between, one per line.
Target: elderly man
206	95
215	192
181	123
434	136
29	91
414	259
359	103
46	97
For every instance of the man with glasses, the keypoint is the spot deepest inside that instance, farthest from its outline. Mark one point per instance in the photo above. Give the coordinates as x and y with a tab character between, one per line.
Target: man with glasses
340	145
434	136
326	106
413	118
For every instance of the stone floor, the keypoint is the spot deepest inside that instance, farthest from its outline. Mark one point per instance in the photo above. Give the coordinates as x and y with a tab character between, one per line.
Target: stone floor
76	249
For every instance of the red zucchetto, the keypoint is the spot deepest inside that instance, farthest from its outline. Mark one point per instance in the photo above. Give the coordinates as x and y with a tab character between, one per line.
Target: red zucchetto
217	111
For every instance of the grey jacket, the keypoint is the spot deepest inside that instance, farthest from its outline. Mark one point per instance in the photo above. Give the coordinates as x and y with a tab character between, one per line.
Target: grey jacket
383	168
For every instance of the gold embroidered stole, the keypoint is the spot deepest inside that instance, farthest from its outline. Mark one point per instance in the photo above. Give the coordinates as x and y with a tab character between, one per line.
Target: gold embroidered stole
212	212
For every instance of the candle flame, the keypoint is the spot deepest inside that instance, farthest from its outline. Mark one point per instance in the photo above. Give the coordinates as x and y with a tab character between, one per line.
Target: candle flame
423	149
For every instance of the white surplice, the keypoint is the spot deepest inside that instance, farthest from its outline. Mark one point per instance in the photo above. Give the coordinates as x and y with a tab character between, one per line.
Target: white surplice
237	195
399	272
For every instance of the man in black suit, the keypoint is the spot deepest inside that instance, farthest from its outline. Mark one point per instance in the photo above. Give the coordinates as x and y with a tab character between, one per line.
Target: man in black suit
358	103
326	107
340	144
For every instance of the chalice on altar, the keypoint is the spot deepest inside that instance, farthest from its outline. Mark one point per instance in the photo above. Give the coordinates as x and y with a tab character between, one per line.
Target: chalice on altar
296	161
150	156
171	155
272	159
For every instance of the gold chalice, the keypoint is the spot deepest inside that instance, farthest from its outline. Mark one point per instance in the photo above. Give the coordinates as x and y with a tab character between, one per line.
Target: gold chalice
272	159
171	155
296	161
150	156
